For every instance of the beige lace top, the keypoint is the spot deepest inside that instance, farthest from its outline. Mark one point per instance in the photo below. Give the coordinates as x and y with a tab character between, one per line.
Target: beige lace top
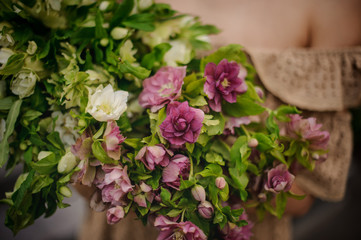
325	84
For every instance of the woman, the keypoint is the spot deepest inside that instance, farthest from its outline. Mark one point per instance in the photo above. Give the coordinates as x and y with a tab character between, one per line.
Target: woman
306	54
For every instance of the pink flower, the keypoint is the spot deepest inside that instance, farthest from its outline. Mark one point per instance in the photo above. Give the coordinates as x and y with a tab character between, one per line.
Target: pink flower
182	124
224	81
309	130
142	193
170	229
235	123
279	179
113	139
115	214
82	147
116	184
232	232
154	155
178	167
162	88
205	209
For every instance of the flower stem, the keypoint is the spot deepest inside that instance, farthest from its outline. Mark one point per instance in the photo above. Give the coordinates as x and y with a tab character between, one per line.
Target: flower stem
246	132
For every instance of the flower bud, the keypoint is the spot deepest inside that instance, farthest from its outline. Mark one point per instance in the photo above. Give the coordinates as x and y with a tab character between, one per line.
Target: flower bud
115	214
81	123
32	47
104	42
23	146
119	33
103	6
199	193
65	191
220	182
259	92
315	156
67	163
205	209
252	143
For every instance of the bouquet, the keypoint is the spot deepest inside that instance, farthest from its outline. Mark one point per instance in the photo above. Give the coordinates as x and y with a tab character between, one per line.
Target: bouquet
110	94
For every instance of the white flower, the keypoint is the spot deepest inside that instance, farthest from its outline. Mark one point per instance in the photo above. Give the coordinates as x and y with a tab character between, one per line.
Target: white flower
5	53
6	40
105	104
180	53
119	33
144	4
2	129
126	53
32	47
104	5
24	83
65	125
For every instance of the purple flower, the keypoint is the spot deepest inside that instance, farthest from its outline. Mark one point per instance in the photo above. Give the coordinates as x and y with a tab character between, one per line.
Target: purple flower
205	209
224	81
154	155
232	232
182	124
279	179
116	184
178	167
115	214
162	88
235	123
170	229
113	139
309	130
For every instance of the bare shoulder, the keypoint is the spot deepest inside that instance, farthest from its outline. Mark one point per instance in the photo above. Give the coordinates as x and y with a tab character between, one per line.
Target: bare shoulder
336	23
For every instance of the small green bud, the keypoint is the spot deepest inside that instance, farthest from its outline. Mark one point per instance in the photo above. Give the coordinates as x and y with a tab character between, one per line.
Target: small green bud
23	146
65	191
104	42
81	123
119	33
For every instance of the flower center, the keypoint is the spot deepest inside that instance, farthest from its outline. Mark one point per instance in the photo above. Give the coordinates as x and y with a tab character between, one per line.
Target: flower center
178	236
225	83
105	108
166	90
181	124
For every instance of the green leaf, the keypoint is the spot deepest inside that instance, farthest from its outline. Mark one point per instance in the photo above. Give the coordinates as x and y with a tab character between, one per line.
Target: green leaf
222	148
99	132
139	72
271	125
213	157
283	111
6	103
241	180
190	147
100	154
155	56
194	88
185	184
141	21
265	143
54	138
134	143
232	52
198	101
124	123
165	196
14	64
224	193
216	129
31	115
99	29
19	194
281	201
211	170
235	152
121	12
154	181
174	212
41	182
279	156
243	107
46	165
295	196
10	124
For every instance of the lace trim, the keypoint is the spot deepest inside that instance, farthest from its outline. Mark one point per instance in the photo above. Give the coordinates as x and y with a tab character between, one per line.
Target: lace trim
319	80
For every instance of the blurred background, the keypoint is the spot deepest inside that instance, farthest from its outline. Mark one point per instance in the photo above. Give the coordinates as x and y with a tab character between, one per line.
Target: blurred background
325	220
